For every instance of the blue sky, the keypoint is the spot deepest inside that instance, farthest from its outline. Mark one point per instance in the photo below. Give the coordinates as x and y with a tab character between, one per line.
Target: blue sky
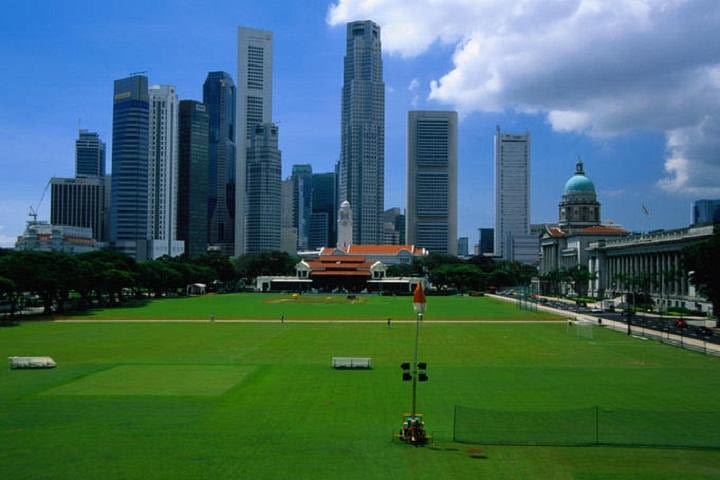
651	146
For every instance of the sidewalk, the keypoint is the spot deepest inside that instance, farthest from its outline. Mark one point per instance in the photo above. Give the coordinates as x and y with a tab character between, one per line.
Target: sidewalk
665	337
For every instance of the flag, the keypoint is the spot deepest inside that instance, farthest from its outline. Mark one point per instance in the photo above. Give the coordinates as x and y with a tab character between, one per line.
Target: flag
419	301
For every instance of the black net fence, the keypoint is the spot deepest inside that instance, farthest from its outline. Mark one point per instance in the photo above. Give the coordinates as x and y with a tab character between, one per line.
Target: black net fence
588	426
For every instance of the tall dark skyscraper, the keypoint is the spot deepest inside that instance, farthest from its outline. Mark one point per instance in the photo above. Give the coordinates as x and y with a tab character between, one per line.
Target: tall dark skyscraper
263	189
79	202
89	155
432	181
129	219
219	98
302	202
487	241
322	232
362	154
192	193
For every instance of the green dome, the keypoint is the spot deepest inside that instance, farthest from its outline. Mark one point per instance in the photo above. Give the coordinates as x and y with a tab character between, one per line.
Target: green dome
579	183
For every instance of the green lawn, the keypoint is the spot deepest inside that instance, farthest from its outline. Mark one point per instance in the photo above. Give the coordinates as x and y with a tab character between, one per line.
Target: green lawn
189	401
316	307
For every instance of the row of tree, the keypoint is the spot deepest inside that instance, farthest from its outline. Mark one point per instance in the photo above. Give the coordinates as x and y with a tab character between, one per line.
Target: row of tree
703	263
576	277
475	274
106	277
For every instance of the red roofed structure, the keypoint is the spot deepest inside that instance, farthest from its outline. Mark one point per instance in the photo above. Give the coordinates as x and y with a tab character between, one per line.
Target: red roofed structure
339	272
387	254
350	272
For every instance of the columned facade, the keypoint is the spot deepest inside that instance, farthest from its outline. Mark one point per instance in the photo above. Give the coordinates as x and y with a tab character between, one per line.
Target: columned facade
649	264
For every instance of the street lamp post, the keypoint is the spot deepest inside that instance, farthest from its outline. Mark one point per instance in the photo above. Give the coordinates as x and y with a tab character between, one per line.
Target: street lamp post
419	304
413	430
418	319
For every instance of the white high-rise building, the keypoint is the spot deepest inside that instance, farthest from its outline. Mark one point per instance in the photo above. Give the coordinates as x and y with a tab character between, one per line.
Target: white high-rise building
163	164
253	107
431	220
512	198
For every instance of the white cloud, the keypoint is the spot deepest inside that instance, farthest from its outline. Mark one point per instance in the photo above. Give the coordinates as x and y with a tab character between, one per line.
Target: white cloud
568	120
414	87
599	67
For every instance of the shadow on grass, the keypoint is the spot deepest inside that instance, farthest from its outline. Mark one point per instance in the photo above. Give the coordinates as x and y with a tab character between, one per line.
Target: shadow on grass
89	312
75	312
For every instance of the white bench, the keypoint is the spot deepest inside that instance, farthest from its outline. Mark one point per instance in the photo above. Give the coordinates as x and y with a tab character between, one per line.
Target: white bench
351	362
31	362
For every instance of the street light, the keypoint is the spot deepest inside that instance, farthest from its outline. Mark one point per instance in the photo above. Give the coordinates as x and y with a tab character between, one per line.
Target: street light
419	304
413	430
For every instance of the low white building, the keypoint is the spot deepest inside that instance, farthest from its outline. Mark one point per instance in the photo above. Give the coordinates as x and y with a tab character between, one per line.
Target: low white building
45	237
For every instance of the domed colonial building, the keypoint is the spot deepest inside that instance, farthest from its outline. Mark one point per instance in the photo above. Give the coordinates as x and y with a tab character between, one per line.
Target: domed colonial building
564	245
579	206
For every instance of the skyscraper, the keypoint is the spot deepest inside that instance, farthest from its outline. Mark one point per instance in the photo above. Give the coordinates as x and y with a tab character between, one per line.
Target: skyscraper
512	193
219	98
79	202
288	233
393	226
324	212
89	155
263	189
486	243
254	107
462	246
432	181
705	212
193	177
129	219
162	164
362	152
302	202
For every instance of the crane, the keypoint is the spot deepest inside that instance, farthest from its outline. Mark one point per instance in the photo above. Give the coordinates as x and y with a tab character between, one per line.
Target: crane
34	211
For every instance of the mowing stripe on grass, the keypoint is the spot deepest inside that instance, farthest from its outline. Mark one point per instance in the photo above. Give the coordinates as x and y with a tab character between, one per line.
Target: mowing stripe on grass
195	380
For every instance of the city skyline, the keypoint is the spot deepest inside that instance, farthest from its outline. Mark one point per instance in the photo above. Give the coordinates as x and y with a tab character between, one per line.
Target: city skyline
626	167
